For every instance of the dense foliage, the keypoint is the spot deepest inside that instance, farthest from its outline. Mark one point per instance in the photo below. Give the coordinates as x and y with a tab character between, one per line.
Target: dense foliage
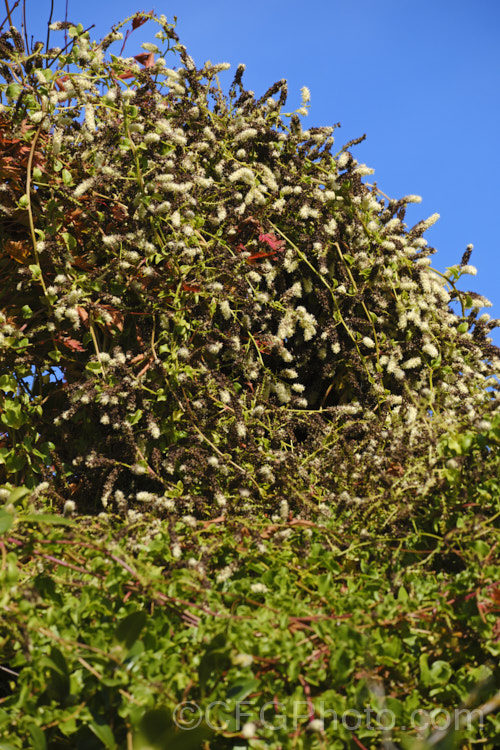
250	449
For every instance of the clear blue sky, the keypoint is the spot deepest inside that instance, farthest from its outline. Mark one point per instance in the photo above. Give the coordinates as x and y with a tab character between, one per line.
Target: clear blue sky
420	78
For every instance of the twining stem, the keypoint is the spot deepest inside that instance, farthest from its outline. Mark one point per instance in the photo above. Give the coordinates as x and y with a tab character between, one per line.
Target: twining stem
30	209
96	345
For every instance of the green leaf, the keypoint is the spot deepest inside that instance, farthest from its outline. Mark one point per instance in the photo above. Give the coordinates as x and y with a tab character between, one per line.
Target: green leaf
104	733
437	674
57	661
135	417
130	628
67	177
22	343
466	441
454	446
481	549
14	462
341	666
157	731
12	415
402	594
8	383
18	493
238	691
38	737
155	726
35	271
13	91
69	240
6	520
214	660
94	367
324	583
58	685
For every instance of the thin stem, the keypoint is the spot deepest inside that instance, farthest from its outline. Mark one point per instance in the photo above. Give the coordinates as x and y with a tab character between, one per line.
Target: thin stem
8	13
48	24
96	345
25	26
30	208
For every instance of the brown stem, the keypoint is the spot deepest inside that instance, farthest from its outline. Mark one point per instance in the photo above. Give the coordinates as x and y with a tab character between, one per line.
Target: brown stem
8	13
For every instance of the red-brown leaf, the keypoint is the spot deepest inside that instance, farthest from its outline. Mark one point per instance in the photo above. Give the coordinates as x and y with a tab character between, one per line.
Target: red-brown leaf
146	58
72	344
140	18
273	242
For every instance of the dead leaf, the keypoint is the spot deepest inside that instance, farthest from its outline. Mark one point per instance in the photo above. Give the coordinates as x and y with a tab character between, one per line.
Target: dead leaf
83	315
18	251
140	18
72	344
144	58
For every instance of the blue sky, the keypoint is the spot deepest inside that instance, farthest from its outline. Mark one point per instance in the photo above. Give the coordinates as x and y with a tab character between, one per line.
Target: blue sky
420	78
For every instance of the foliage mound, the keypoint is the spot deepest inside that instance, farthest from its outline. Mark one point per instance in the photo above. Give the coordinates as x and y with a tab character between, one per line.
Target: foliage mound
276	421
